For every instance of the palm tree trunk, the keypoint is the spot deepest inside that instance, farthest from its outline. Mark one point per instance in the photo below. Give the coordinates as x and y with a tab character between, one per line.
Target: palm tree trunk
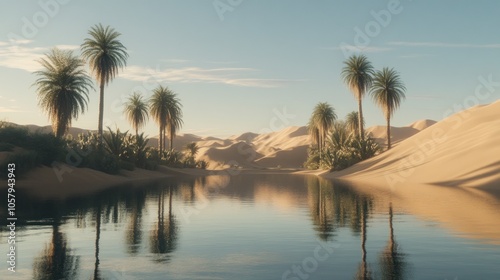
165	138
101	109
171	139
360	118
388	133
159	141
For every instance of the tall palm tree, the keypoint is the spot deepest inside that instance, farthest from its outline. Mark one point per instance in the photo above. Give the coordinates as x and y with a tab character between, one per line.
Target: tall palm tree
357	74
105	55
323	118
136	111
165	108
388	91
62	88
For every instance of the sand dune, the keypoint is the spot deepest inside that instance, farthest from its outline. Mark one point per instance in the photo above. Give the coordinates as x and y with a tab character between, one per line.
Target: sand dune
398	134
462	150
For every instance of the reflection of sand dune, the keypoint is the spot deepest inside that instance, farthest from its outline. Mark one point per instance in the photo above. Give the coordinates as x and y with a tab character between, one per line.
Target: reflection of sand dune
468	212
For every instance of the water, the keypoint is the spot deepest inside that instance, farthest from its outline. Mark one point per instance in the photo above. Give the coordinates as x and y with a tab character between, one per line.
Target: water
248	227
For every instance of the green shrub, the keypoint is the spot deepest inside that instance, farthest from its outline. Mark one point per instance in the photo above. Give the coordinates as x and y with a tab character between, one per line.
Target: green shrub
48	147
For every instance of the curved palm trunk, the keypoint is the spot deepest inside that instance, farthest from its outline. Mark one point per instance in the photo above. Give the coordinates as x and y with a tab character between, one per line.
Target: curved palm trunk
388	133
101	109
360	117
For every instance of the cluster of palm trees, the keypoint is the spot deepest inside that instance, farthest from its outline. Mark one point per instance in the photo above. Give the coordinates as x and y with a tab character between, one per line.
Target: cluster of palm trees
63	87
164	107
385	86
343	143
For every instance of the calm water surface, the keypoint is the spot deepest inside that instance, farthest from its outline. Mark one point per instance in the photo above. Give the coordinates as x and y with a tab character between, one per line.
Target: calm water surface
241	227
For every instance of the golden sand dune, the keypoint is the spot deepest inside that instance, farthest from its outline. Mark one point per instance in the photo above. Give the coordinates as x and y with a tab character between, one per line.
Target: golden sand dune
462	150
398	134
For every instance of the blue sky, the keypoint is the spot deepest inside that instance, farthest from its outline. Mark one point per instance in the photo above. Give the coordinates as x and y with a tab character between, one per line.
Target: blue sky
241	65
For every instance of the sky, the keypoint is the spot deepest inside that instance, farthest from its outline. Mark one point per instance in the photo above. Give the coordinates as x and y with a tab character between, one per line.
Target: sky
260	66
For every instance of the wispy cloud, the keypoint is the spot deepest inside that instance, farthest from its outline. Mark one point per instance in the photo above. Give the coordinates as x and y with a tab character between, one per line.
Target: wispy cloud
443	45
9	110
227	75
353	48
20	55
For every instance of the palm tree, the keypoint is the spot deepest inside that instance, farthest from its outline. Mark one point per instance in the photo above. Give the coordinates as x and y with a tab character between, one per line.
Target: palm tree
105	55
323	118
357	74
388	91
62	89
192	148
352	122
165	108
313	131
136	111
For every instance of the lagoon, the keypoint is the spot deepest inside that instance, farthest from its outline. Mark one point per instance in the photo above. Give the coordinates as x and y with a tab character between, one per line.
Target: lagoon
266	226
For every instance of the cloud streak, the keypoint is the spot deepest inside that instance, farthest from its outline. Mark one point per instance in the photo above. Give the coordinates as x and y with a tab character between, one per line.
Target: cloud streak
228	75
19	55
444	45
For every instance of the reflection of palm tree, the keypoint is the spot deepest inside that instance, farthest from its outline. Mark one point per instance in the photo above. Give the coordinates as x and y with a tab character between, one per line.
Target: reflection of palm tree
55	261
97	237
319	194
363	270
392	260
134	232
163	240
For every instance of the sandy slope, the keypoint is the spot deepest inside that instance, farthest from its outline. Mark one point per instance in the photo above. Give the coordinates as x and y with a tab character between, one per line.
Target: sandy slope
462	150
